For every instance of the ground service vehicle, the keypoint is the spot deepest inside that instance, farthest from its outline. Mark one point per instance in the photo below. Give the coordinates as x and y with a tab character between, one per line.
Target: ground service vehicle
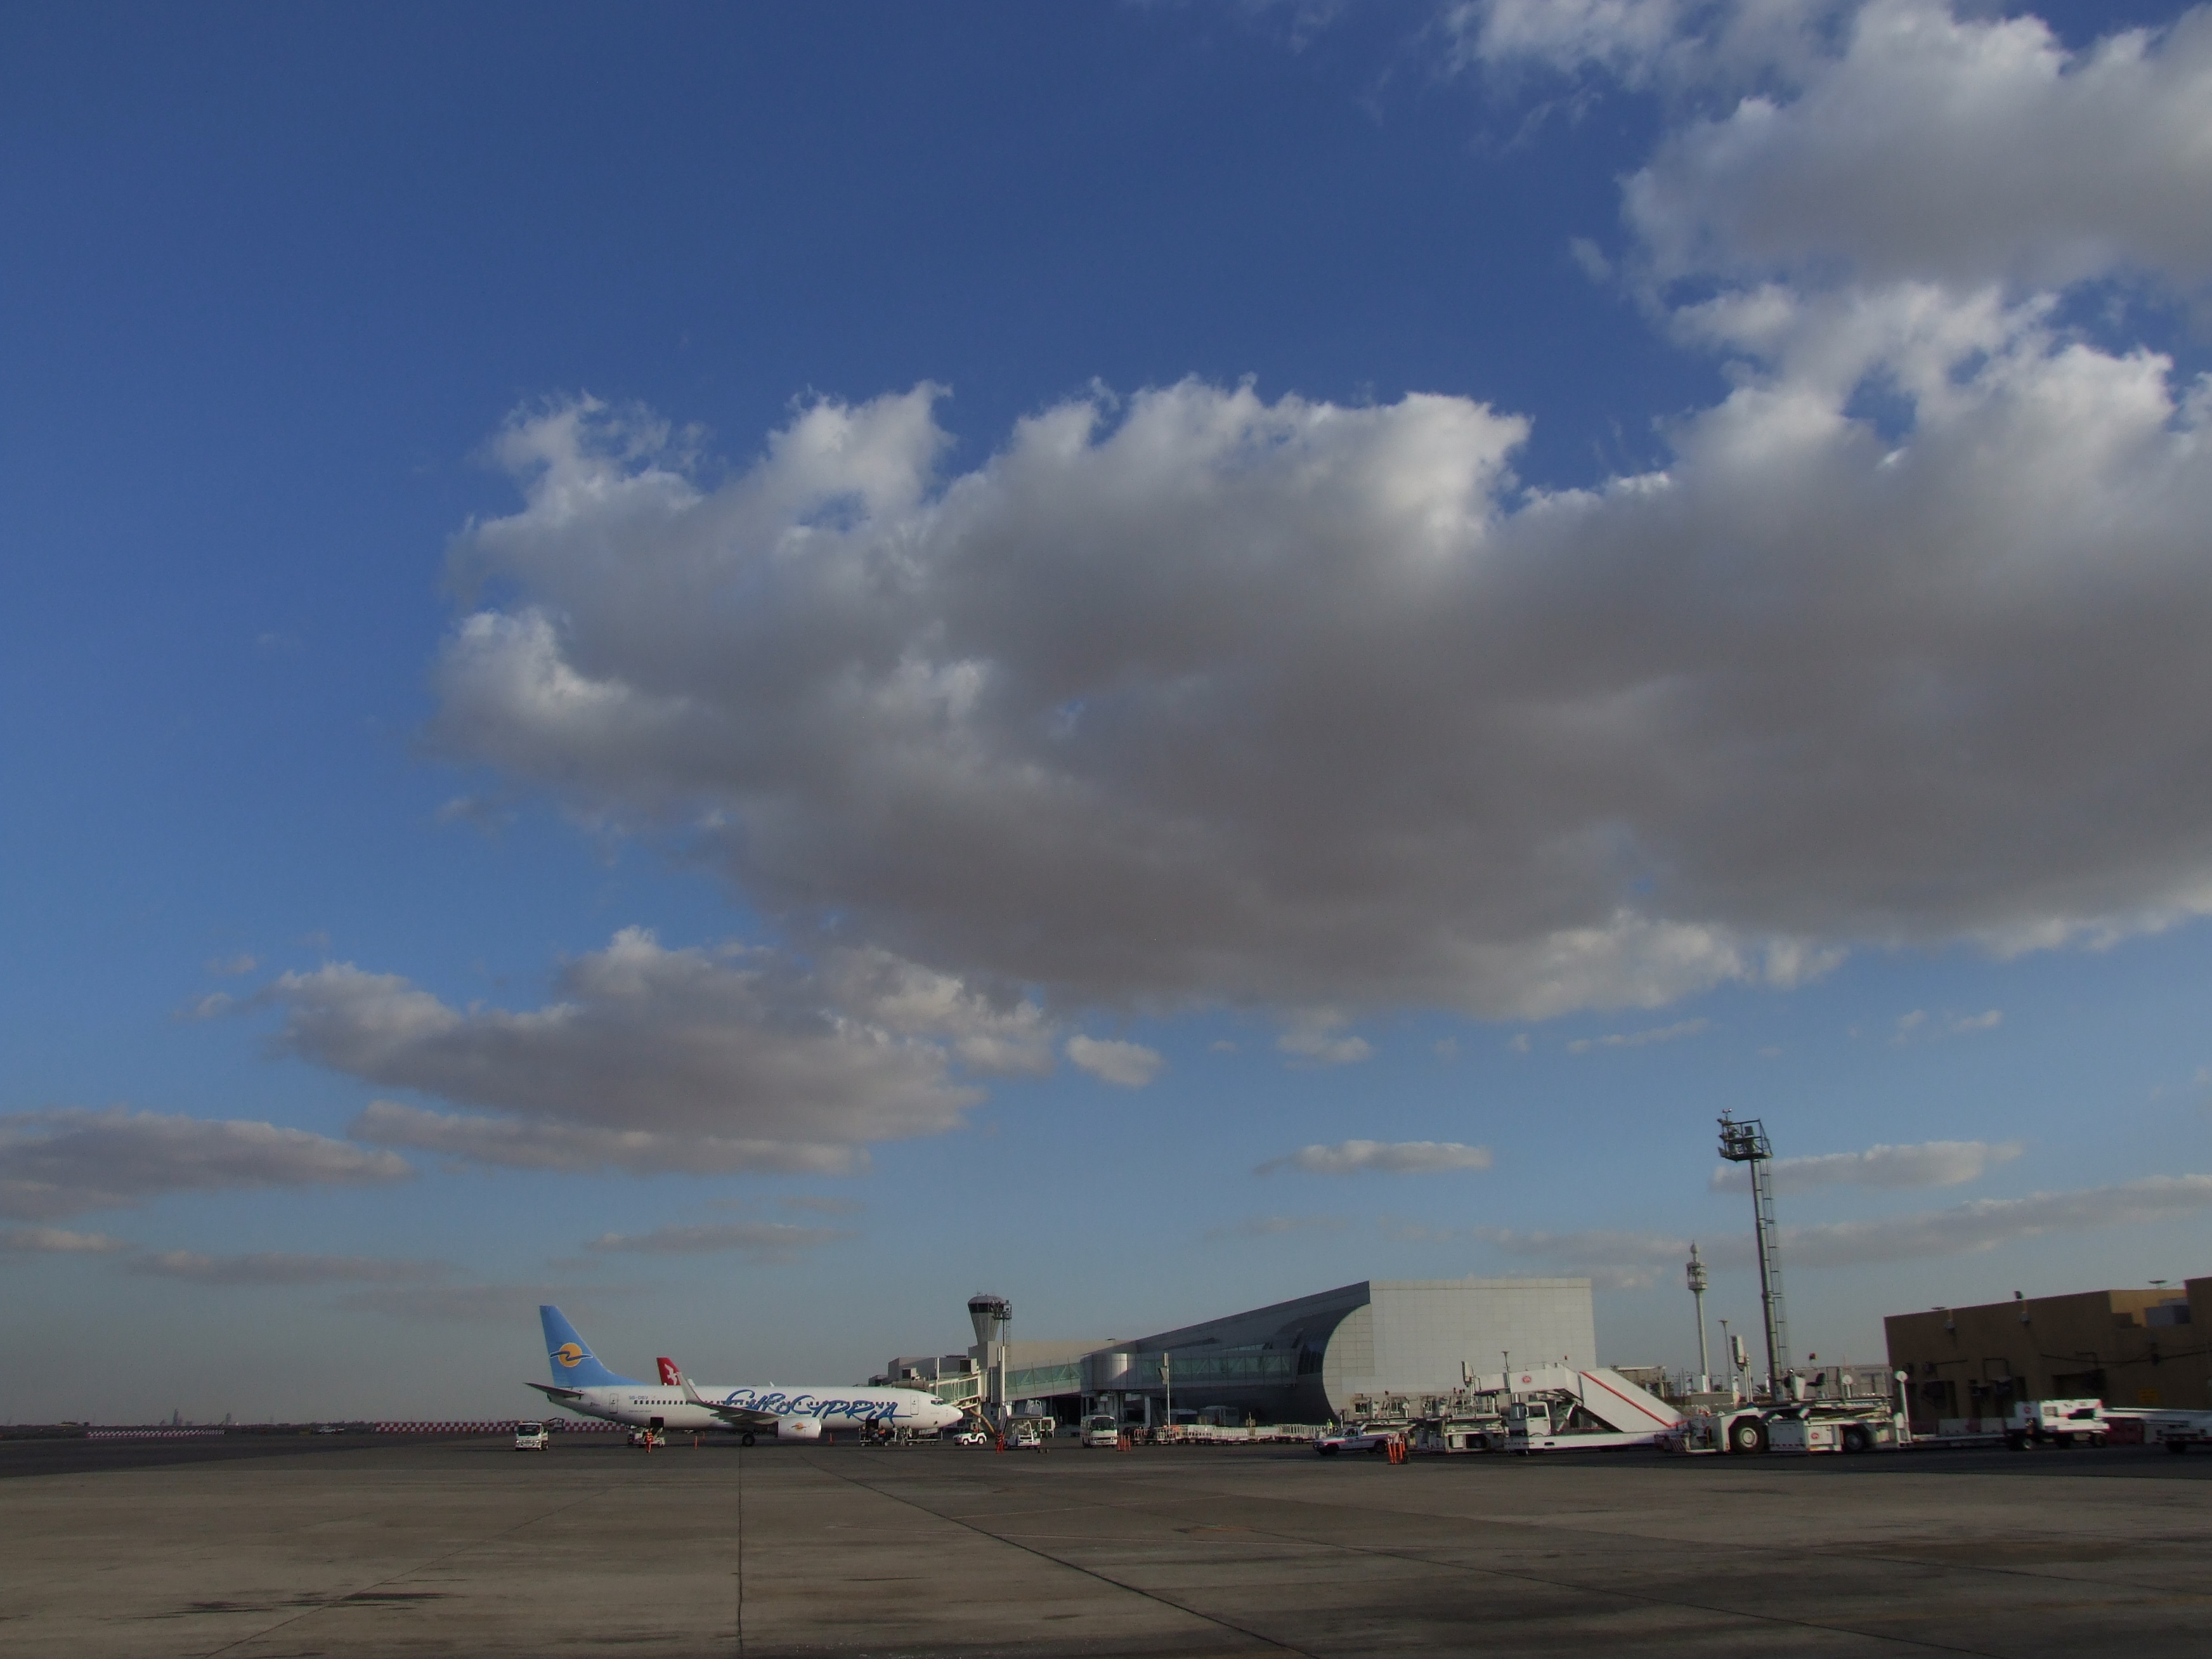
1559	1408
1360	1437
1460	1434
2056	1423
1854	1425
532	1436
1101	1429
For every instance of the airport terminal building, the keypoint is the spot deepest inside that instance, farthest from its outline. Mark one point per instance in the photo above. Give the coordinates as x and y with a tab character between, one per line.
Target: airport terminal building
1309	1360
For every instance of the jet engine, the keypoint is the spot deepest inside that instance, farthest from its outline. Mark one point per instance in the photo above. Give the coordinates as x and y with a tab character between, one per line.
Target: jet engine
798	1428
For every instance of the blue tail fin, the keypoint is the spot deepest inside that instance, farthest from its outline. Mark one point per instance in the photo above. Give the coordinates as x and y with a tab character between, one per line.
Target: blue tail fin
575	1366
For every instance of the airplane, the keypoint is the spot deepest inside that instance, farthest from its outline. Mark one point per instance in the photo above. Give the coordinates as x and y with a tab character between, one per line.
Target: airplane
587	1388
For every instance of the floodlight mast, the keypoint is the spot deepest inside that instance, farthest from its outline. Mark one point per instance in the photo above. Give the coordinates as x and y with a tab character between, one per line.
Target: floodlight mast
1696	1275
1747	1143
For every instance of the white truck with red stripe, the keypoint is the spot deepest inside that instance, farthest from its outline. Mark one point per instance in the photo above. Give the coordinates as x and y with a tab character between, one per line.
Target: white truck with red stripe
1557	1408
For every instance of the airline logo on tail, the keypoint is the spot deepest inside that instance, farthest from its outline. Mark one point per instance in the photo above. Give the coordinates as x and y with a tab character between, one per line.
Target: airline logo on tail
569	1354
670	1376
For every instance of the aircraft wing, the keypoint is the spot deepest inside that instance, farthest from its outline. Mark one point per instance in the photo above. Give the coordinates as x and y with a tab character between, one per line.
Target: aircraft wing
552	1392
737	1417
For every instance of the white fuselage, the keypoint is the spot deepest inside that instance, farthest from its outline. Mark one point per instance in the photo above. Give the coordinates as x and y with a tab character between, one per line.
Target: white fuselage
644	1403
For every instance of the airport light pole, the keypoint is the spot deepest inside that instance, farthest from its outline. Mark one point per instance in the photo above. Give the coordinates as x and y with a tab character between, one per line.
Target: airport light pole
1698	1296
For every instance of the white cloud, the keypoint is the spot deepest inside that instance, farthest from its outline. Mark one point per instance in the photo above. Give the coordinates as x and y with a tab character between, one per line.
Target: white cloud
286	1267
1389	1157
1985	1223
1918	1026
1927	1163
1625	37
1005	1038
1961	149
1131	1064
230	967
59	1163
1632	1259
657	1058
1610	1260
1276	1226
1641	1039
469	1304
1317	1037
1279	703
55	1241
528	1142
818	1205
1201	697
756	1241
1676	46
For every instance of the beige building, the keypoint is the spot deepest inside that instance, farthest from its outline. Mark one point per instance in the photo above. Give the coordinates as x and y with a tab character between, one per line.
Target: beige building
2125	1347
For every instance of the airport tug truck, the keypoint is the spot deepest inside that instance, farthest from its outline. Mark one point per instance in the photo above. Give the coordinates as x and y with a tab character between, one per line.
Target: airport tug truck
1857	1423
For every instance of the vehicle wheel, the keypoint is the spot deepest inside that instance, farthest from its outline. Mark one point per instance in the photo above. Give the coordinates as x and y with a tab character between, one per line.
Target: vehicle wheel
1326	1451
2095	1441
744	1440
1857	1439
2016	1442
1746	1434
2177	1447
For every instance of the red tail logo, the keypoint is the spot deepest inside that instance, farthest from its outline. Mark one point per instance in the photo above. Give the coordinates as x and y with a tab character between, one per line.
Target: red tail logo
670	1376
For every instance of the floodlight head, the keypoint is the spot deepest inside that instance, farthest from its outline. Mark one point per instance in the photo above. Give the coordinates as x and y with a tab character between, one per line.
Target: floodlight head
1745	1142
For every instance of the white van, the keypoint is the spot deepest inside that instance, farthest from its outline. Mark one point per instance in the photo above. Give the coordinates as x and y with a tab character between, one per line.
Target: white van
1101	1429
532	1436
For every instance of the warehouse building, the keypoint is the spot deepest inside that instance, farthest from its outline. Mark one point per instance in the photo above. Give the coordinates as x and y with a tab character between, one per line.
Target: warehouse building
1308	1360
2145	1347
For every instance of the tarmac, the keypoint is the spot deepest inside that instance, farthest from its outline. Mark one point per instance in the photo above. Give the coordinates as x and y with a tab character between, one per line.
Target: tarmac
352	1545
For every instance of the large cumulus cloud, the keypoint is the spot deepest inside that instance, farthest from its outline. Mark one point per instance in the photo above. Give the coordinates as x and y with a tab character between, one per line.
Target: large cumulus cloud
654	1058
1208	697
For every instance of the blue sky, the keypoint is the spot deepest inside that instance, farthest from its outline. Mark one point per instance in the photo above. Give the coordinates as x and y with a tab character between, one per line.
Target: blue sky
761	668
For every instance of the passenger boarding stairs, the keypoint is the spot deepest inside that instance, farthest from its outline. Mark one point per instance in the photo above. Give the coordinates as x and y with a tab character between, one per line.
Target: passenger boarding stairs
1561	1408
